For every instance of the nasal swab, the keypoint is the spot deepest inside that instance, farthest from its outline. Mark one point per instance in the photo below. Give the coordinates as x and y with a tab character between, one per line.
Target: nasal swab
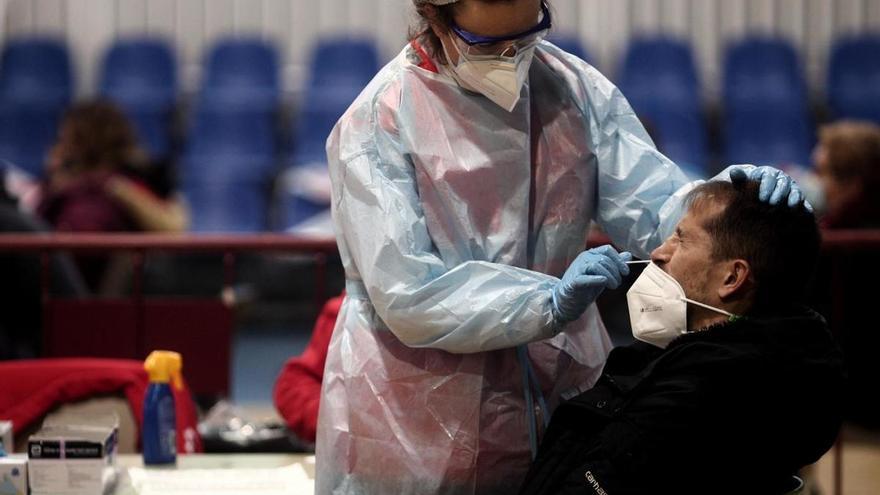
638	262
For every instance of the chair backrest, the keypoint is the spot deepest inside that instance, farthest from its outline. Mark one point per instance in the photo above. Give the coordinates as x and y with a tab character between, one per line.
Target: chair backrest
36	72
763	72
249	133
242	72
780	138
343	62
854	78
227	206
26	135
140	72
340	69
659	78
681	136
660	72
321	111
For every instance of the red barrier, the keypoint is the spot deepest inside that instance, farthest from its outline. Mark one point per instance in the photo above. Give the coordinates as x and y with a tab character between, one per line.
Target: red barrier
132	327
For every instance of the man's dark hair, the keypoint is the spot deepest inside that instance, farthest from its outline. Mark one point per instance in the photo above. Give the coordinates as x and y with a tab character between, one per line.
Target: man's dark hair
780	243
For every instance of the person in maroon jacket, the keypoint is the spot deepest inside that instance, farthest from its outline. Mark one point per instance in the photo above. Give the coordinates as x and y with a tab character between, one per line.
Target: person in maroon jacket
298	387
847	162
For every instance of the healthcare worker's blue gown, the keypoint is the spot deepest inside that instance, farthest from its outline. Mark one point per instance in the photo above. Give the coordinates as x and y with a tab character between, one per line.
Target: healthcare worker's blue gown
454	219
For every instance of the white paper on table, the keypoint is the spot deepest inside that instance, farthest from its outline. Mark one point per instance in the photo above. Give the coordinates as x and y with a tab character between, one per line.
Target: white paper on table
285	480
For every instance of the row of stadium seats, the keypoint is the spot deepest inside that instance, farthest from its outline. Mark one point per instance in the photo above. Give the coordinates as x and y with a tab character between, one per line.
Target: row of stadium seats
233	146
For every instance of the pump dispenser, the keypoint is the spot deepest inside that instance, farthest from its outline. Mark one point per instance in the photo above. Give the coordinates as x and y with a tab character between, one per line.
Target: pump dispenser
159	432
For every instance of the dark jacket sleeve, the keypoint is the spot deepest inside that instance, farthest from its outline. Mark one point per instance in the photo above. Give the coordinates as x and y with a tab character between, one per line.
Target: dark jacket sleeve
298	388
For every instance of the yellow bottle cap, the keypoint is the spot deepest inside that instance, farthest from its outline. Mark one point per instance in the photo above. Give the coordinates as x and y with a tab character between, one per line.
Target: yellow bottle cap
164	367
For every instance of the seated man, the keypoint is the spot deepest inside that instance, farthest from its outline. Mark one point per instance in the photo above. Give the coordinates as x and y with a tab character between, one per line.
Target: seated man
735	385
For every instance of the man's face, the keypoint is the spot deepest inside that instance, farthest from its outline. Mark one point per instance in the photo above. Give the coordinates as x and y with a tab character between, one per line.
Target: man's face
687	256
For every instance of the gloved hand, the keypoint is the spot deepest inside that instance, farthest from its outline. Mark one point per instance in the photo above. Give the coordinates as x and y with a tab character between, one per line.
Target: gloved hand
775	185
587	276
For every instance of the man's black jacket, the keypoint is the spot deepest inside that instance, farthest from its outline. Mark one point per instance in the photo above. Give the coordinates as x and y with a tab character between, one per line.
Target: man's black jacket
737	408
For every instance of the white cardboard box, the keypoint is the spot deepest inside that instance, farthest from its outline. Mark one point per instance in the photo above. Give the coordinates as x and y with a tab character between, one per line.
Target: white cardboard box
72	460
13	475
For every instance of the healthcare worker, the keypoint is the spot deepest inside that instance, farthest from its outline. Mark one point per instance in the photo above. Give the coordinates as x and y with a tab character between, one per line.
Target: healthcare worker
465	179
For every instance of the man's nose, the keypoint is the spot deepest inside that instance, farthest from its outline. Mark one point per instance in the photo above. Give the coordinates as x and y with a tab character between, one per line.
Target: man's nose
660	255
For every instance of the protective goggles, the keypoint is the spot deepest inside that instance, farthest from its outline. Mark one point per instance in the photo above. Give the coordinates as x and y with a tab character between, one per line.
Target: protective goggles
500	45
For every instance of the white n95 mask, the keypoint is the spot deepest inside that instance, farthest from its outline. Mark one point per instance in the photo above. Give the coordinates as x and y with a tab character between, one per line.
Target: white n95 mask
496	77
658	307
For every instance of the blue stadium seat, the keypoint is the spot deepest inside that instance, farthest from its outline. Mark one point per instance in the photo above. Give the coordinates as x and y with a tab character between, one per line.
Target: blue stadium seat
854	78
26	134
343	63
766	113
226	206
340	69
681	136
660	71
140	75
243	133
242	73
36	84
778	139
571	44
659	78
36	72
763	72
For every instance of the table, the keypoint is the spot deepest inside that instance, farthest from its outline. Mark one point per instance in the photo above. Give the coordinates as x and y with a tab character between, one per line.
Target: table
214	461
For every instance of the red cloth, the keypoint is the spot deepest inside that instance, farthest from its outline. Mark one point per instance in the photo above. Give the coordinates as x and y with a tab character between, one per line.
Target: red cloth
298	388
29	389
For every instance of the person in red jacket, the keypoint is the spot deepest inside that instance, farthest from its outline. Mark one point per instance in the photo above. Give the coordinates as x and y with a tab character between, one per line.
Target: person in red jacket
298	387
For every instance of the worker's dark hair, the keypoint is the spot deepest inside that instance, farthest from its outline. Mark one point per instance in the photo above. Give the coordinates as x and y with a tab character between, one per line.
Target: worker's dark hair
780	243
440	15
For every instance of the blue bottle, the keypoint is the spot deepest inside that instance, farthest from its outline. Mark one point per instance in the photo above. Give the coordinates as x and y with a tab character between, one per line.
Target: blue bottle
159	432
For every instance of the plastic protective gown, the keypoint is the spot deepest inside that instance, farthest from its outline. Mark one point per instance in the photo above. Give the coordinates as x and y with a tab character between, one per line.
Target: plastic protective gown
454	219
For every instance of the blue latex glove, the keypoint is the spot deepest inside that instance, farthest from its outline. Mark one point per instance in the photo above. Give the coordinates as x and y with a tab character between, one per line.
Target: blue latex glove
588	275
775	185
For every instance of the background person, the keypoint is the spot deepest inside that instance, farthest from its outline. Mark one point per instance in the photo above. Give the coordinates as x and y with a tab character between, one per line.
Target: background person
847	163
731	390
464	182
98	180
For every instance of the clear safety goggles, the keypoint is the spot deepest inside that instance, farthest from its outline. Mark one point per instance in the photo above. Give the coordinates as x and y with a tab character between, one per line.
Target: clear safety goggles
471	44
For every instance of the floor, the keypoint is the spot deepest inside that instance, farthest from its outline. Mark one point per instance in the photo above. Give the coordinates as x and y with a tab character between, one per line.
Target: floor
861	464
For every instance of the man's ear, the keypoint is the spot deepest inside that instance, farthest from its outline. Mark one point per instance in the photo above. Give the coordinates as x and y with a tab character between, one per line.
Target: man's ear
736	281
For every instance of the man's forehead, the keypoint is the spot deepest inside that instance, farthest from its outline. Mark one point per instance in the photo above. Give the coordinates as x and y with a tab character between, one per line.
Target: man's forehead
698	214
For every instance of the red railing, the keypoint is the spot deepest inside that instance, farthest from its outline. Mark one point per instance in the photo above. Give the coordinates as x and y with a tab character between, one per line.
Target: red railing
836	244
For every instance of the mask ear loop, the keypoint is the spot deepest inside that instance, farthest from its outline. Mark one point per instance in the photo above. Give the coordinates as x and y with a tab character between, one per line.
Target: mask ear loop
711	308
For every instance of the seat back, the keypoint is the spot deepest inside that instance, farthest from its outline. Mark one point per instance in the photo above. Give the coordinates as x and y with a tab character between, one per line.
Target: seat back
139	72
854	78
35	88
340	69
140	75
767	118
763	72
242	72
36	72
659	78
343	61
227	206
